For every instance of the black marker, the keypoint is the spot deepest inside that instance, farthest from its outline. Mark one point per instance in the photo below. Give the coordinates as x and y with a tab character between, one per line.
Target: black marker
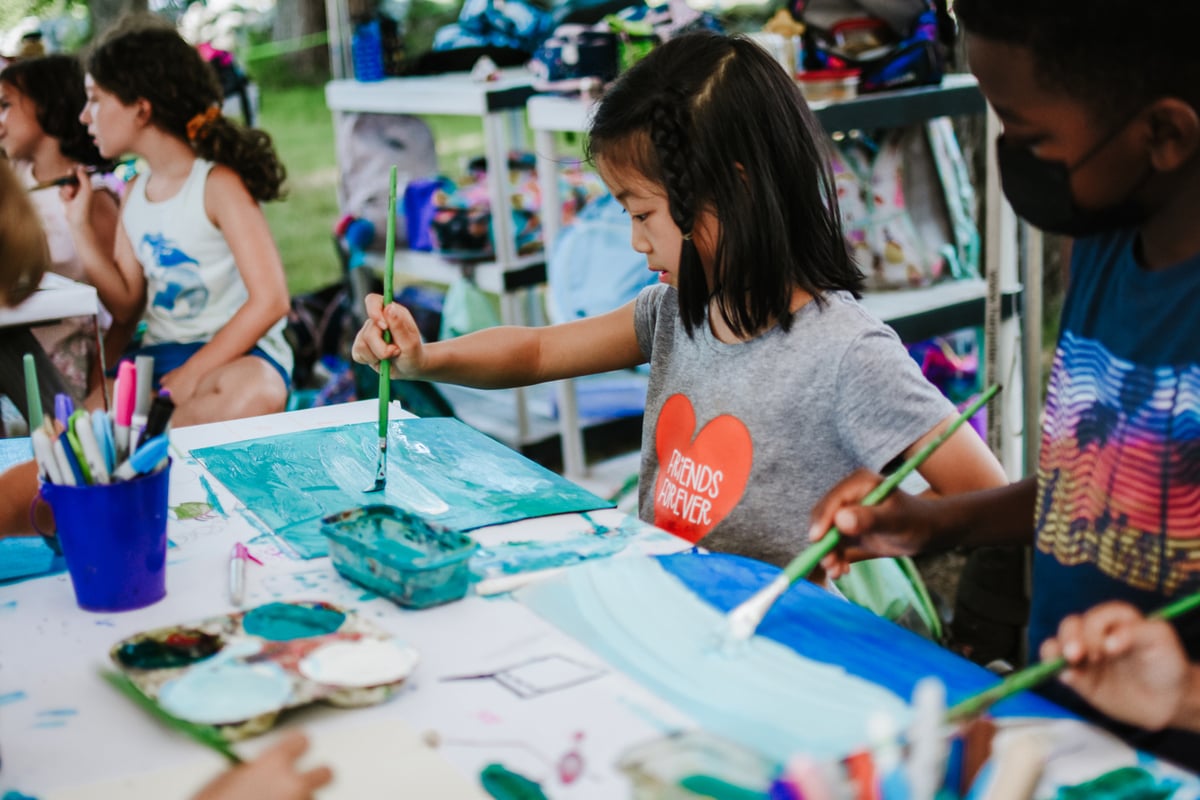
157	418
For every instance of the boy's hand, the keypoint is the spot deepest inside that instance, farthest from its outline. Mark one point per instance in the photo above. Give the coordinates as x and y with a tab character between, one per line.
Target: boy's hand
406	350
274	775
1129	667
899	526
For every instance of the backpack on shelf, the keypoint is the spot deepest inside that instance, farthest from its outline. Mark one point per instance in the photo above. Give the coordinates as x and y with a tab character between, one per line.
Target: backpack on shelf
892	43
907	207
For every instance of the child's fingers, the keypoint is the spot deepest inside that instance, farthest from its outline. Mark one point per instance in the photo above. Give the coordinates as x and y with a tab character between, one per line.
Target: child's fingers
374	306
1050	650
405	334
849	492
289	748
316	778
1070	640
369	347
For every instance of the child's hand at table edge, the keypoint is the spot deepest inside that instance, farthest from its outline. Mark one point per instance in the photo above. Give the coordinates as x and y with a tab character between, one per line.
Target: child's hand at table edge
1128	666
898	526
406	351
274	775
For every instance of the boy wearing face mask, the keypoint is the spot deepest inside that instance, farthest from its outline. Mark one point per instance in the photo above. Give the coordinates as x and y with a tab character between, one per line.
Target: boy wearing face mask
1100	103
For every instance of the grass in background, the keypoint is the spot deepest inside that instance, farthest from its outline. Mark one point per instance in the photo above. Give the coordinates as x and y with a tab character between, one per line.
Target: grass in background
302	223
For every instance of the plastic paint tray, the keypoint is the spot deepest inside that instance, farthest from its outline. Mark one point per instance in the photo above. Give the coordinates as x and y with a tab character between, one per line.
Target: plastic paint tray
400	555
239	671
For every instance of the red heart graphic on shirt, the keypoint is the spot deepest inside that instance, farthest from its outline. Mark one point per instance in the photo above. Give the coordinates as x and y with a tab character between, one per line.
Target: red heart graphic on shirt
700	480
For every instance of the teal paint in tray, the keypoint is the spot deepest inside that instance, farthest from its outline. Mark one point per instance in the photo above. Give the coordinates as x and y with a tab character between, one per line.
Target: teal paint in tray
399	555
438	468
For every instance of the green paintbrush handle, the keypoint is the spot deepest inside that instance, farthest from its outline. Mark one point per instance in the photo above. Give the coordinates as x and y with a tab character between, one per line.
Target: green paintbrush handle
389	266
1035	674
804	563
810	556
206	735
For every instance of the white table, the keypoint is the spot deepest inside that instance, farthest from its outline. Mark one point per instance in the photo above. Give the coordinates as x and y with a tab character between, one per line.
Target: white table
53	703
66	735
56	298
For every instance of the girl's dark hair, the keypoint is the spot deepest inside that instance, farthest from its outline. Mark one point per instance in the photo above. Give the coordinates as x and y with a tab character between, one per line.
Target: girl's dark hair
721	126
54	84
1114	55
142	59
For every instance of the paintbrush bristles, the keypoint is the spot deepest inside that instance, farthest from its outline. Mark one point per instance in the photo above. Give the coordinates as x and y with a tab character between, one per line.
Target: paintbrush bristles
744	619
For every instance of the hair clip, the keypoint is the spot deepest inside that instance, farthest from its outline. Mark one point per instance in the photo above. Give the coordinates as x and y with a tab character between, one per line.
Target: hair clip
687	237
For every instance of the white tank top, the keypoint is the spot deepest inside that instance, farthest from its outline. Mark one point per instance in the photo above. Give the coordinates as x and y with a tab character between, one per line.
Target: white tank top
193	286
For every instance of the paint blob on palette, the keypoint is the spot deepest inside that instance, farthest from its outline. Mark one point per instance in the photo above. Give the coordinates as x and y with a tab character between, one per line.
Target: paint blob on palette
239	671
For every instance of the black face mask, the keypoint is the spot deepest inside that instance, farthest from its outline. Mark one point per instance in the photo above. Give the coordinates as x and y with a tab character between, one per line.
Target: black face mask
1040	193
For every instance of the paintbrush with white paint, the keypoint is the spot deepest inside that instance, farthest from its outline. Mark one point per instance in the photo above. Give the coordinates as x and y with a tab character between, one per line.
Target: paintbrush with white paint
745	619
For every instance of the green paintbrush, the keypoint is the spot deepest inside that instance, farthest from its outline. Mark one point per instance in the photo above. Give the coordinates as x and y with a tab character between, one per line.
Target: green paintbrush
206	735
1035	674
744	619
385	366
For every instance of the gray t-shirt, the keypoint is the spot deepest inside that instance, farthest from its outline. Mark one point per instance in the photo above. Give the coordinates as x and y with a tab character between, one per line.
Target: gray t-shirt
741	440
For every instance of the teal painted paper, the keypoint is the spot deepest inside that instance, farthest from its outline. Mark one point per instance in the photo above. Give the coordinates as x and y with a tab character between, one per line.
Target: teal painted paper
438	468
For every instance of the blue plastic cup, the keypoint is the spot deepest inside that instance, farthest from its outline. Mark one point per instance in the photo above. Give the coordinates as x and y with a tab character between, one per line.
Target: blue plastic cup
114	540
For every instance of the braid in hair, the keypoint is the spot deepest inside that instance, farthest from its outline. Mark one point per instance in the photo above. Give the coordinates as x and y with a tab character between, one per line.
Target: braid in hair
670	121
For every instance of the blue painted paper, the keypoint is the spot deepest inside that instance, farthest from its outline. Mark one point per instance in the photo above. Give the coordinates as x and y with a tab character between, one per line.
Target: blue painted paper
438	468
808	682
823	627
649	625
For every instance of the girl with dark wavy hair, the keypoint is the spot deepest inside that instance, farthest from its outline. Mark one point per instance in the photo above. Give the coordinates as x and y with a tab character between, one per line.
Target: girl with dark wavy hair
40	132
193	254
767	379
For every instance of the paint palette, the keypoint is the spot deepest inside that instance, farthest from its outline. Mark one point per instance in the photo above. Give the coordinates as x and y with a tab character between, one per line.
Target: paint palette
399	555
239	671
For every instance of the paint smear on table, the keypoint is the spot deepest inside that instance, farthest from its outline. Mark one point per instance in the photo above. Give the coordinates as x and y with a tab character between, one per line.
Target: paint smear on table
438	468
512	558
653	628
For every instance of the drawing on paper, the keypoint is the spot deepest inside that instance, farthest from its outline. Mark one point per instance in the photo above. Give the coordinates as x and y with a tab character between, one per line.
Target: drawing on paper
438	468
538	676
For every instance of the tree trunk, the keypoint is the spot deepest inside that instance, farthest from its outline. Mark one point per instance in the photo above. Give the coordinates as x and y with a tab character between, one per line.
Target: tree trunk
296	18
103	13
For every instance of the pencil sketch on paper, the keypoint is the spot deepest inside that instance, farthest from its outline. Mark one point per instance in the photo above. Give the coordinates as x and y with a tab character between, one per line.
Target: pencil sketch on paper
538	676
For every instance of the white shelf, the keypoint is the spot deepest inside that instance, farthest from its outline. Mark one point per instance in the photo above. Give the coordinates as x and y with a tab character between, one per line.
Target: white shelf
957	94
489	275
452	93
56	298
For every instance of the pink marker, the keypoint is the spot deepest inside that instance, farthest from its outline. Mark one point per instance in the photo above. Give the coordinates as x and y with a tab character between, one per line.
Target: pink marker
126	392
